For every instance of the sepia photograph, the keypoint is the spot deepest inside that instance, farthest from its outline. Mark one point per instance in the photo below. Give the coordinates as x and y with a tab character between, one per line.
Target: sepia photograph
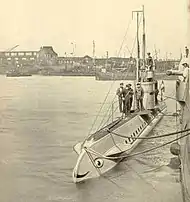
95	101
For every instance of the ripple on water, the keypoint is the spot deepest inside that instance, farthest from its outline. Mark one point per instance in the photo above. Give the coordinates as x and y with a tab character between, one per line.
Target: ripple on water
40	122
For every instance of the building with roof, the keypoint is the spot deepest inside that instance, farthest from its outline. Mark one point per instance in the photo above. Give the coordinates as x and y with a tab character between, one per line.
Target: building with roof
47	56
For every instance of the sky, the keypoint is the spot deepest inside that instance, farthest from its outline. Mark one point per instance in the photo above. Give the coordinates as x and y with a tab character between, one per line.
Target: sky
62	23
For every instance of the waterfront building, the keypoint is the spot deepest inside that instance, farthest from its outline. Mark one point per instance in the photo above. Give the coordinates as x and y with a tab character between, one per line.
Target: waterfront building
46	56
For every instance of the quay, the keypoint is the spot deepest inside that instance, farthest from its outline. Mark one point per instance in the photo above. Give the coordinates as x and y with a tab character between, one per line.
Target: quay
47	62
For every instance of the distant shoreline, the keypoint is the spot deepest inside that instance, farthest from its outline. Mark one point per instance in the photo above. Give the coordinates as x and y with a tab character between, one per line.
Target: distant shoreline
102	79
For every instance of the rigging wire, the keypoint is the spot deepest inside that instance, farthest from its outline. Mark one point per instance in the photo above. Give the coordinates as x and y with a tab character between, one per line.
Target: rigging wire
153	137
110	107
134	154
118	107
112	82
124	37
124	78
110	114
108	90
112	181
132	168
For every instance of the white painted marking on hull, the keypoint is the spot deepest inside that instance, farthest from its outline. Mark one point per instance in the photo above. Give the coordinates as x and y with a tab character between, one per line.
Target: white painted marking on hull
106	146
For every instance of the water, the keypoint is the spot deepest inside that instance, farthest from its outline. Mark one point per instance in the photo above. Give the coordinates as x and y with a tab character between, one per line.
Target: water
43	117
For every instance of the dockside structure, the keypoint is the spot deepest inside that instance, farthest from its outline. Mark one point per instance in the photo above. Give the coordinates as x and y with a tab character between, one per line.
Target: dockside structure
46	56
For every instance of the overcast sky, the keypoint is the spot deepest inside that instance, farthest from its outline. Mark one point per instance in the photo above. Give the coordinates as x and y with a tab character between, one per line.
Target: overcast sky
34	23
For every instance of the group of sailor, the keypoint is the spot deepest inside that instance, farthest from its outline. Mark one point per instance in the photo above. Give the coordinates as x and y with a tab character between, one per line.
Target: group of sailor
125	97
125	94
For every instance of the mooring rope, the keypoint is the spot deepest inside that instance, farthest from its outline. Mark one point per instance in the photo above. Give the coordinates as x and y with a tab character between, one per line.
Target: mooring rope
148	138
135	154
111	84
109	88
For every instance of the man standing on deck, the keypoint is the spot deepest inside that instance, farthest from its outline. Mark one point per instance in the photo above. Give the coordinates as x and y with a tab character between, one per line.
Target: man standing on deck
156	93
126	104
186	52
162	89
139	97
131	96
119	93
149	62
185	71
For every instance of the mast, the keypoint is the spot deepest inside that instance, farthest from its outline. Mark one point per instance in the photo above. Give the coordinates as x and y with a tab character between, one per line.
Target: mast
156	53
106	59
93	53
93	56
138	44
138	47
144	40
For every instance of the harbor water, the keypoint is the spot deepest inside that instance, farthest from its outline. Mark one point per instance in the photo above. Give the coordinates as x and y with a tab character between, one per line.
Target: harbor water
43	117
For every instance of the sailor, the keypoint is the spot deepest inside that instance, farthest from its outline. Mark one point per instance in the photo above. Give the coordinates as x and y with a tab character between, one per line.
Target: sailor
131	93
186	52
126	99
139	96
185	71
119	93
162	89
149	62
156	93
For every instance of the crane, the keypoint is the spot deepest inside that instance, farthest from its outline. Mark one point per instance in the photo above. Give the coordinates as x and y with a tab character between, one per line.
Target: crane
12	48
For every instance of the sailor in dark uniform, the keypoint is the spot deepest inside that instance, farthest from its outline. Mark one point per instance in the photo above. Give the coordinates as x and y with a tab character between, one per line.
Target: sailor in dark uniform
149	62
119	93
156	93
186	52
139	97
131	93
126	98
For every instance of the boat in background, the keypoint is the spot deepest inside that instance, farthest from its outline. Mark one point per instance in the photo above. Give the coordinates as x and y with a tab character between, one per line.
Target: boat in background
109	145
64	73
107	76
18	71
17	74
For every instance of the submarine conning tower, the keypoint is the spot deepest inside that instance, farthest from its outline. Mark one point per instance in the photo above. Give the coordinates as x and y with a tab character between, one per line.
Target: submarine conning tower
149	85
